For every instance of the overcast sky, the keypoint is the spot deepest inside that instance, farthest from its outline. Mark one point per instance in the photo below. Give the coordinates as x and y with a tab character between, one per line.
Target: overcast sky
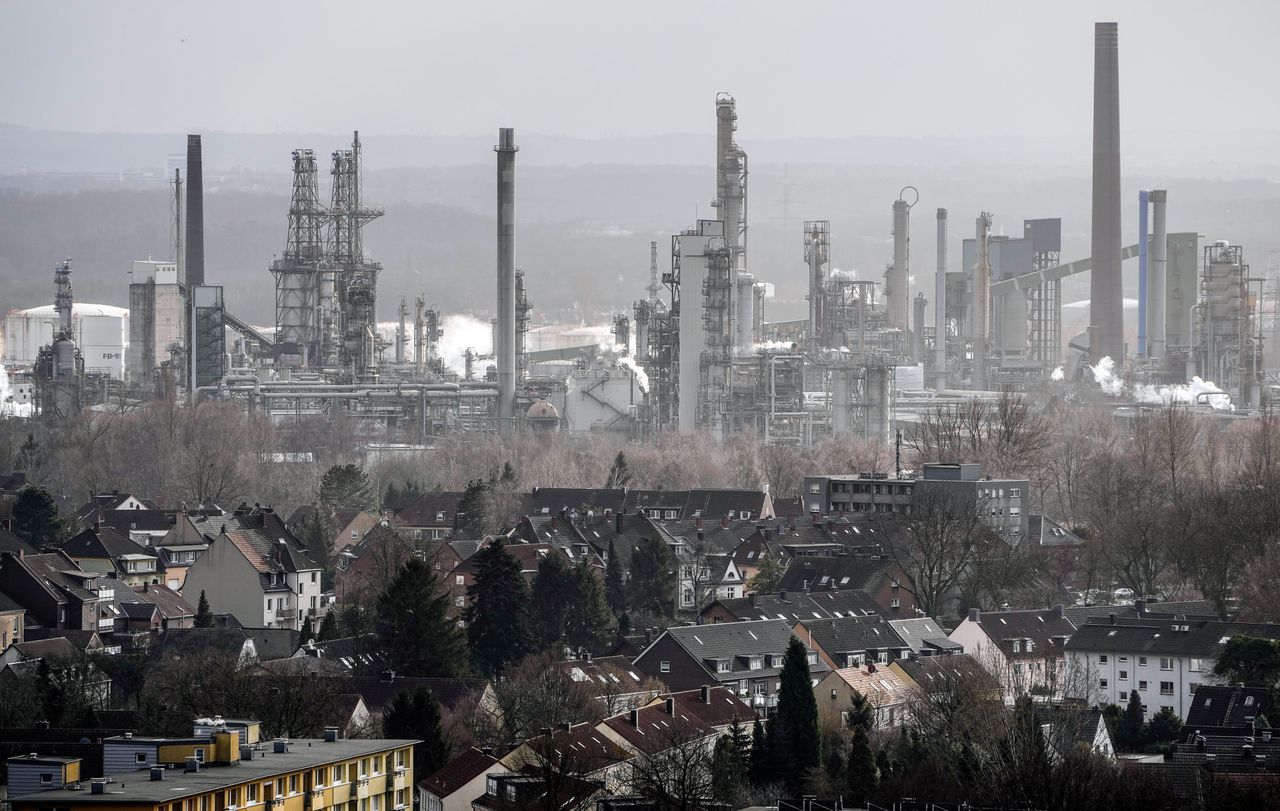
606	68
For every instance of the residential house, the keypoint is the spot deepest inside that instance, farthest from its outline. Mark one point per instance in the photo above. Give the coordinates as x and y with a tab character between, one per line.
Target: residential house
1164	661
182	545
530	787
942	675
91	513
458	782
263	582
1068	728
1223	705
745	657
673	722
143	527
13	544
56	592
1140	609
1024	650
676	505
106	551
235	642
169	610
431	516
852	641
612	681
579	750
352	654
925	637
364	568
527	555
791	607
881	580
888	695
458	698
13	619
68	663
349	523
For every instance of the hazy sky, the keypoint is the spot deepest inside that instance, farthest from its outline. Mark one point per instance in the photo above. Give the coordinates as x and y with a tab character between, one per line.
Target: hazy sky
607	68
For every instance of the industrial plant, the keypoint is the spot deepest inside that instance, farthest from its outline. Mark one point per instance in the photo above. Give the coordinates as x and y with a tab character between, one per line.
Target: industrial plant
697	350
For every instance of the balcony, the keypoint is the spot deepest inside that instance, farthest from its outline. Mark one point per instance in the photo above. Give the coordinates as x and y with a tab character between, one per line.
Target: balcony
286	613
362	788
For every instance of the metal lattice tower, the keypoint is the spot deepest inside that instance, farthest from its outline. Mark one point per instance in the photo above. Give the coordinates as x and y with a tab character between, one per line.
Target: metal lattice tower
356	280
300	313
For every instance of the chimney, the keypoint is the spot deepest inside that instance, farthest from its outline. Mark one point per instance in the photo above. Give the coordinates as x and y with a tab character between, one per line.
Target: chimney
566	726
724	522
670	706
635	717
617	523
505	350
697	522
555	521
194	260
1112	617
1140	605
1106	304
753	599
648	637
975	615
192	765
1060	612
782	595
817	519
706	694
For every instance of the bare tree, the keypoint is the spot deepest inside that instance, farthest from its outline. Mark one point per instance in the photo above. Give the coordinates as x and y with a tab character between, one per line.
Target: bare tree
673	767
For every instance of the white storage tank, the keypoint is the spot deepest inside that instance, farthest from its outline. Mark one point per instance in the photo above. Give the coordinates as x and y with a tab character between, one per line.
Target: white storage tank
101	332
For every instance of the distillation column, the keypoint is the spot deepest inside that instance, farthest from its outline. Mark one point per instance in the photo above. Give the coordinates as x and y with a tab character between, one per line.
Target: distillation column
940	306
505	350
744	321
1156	281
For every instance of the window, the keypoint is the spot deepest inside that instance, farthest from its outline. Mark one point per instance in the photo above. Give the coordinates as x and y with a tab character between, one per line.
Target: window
140	757
893	602
1142	684
664	666
760	688
1248	701
337	775
46	778
1017	646
199	753
1166	688
1015	492
1124	675
459	580
1102	659
853	660
251	793
722	666
1102	683
1142	661
313	577
756	663
882	657
1166	663
233	796
1123	659
293	784
1197	665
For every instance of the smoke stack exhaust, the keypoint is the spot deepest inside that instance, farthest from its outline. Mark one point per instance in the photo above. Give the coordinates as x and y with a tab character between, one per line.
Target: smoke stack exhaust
505	351
1157	283
1106	303
195	214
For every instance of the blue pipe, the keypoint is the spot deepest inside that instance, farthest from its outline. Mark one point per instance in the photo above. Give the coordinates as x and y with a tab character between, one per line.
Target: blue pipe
1142	273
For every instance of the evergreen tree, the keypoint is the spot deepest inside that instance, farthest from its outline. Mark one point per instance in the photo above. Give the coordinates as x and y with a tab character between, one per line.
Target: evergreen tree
328	627
619	473
1250	660
52	701
419	717
306	635
549	606
1164	727
728	764
1132	737
204	617
614	588
315	532
767	576
861	714
861	775
473	510
652	588
347	487
761	758
884	766
797	713
497	617
35	517
414	627
591	623
396	499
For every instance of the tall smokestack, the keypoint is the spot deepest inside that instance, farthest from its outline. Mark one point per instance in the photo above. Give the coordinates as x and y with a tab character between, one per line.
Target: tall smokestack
195	214
940	306
1143	207
1106	303
1156	282
505	350
898	298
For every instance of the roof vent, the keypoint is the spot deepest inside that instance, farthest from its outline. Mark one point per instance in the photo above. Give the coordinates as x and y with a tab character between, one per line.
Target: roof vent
98	786
281	746
157	772
193	765
330	734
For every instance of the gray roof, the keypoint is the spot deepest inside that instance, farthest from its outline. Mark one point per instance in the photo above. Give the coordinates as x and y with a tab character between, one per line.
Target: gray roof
794	607
853	635
1203	609
924	635
137	789
836	573
731	641
1214	705
1158	637
1044	627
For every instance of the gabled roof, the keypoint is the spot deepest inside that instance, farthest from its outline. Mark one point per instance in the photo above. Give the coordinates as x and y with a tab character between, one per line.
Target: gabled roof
198	640
104	543
941	674
1200	609
1045	628
268	556
1196	638
718	536
1215	705
741	503
601	672
733	642
850	635
924	635
458	772
549	501
837	573
170	603
12	543
794	607
661	725
1046	532
721	710
137	520
582	749
379	691
8	604
878	683
438	509
58	575
58	647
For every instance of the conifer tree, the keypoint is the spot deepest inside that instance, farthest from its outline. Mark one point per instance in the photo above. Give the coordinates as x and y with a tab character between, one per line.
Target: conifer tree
414	628
861	775
619	473
473	510
35	517
549	608
651	590
797	714
761	758
328	627
590	620
204	617
614	588
346	487
418	716
497	616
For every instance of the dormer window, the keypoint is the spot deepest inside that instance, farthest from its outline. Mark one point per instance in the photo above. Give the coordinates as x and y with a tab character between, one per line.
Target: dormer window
756	663
853	660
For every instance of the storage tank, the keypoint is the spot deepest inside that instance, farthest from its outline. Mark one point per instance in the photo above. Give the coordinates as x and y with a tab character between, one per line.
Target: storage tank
101	331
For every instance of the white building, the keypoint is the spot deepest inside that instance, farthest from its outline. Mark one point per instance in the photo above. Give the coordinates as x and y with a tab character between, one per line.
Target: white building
1023	650
1163	660
100	330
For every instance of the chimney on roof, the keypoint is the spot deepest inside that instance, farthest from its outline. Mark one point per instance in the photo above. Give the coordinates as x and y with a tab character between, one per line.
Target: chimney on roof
545	732
670	707
706	694
555	522
566	726
817	519
635	717
648	637
388	676
782	595
975	615
617	522
1112	617
1140	605
752	596
724	521
697	521
1060	612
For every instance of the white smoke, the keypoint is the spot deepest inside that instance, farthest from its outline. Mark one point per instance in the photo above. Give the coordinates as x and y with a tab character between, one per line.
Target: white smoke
773	346
8	408
1057	375
460	333
617	354
1112	384
842	275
